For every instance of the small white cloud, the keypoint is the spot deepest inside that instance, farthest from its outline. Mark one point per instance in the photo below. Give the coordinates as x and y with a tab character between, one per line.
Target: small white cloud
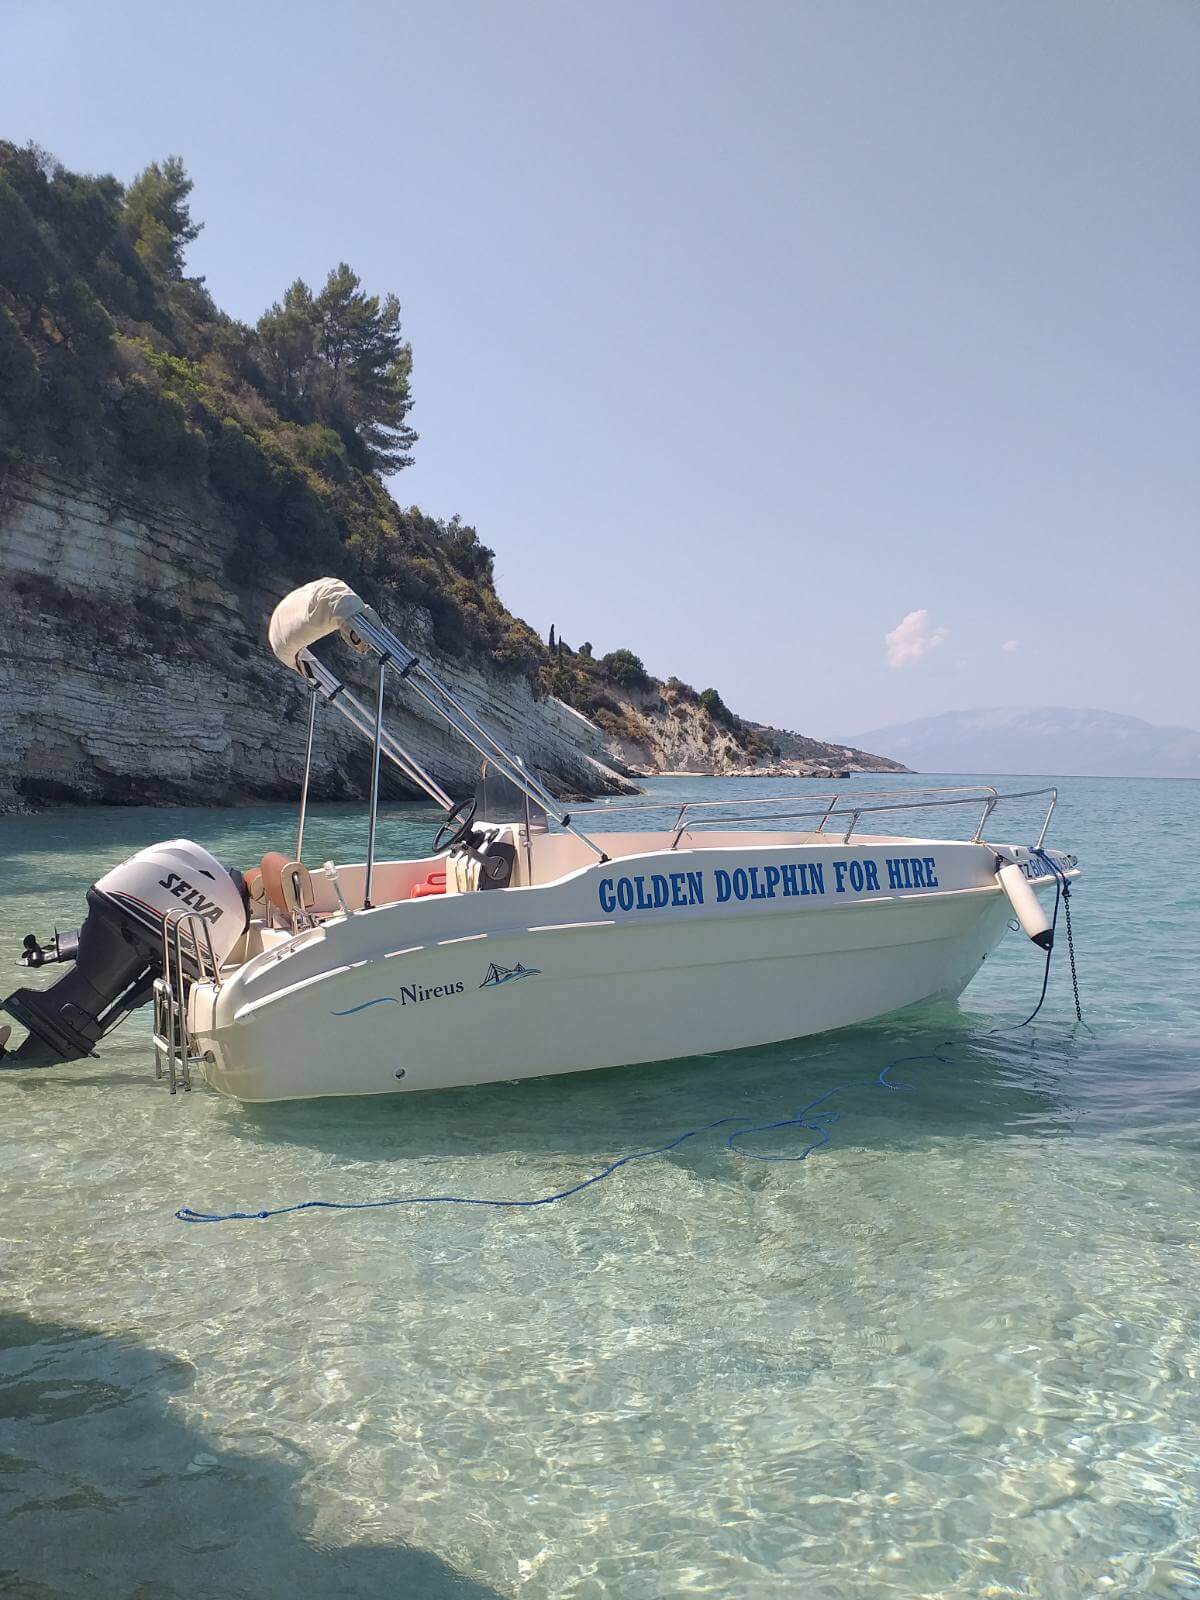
912	638
1010	645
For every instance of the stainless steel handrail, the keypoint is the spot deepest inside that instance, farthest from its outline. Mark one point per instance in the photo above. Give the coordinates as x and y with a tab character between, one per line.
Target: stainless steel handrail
172	1036
828	813
1041	838
863	808
606	809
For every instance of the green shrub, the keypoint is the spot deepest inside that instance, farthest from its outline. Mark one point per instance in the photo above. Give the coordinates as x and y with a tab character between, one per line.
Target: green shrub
158	437
625	669
717	709
20	384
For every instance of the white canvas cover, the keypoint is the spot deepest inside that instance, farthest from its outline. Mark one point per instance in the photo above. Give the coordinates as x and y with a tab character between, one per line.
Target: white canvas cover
309	613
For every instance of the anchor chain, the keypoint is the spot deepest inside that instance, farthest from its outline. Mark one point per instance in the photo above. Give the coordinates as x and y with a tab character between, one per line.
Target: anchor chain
1066	894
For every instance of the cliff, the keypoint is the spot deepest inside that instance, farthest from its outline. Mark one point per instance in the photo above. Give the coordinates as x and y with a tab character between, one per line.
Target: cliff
824	755
167	473
665	727
135	670
132	670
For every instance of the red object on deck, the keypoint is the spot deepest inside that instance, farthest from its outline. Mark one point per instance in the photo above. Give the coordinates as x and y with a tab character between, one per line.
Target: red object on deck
435	883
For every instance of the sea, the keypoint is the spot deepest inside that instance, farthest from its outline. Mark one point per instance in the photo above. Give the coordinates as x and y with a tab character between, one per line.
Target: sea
947	1344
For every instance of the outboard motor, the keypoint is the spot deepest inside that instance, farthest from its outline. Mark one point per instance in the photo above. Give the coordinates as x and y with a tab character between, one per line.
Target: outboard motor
118	950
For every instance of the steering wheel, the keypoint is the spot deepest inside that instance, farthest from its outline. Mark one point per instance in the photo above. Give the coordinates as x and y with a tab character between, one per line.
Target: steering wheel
449	836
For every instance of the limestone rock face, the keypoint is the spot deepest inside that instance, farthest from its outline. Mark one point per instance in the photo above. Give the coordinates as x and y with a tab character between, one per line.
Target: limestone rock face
660	732
133	671
659	729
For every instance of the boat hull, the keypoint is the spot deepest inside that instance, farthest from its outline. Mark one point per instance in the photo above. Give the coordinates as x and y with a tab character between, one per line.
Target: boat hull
509	1004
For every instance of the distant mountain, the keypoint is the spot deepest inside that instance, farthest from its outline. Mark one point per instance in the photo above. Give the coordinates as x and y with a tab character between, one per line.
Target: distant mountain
1047	739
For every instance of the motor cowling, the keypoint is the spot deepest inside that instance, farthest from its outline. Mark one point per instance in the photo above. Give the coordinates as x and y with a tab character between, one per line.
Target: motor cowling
118	950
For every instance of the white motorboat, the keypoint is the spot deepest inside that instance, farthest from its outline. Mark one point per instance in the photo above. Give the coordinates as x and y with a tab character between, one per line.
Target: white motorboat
527	941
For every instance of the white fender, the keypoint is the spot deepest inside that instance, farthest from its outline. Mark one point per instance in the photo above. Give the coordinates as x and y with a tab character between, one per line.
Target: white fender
1027	908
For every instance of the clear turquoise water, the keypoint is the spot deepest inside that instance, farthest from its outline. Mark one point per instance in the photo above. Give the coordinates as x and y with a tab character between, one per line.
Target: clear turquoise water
954	1353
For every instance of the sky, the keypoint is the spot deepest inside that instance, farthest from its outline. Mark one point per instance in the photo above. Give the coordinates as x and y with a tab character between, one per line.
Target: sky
842	356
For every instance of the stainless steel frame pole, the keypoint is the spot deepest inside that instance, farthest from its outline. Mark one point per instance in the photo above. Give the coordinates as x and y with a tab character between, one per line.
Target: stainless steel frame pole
374	817
528	830
312	718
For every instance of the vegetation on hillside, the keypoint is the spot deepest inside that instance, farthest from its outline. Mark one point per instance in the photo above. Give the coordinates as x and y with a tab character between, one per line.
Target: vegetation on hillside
616	692
113	360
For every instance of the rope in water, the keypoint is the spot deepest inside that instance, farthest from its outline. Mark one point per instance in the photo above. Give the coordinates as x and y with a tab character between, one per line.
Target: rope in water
809	1117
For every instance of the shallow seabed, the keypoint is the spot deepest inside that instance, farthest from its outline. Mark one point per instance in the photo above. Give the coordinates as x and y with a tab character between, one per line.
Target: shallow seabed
953	1353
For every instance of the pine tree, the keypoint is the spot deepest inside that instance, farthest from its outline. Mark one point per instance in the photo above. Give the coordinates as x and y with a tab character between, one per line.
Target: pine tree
338	358
367	367
157	218
287	338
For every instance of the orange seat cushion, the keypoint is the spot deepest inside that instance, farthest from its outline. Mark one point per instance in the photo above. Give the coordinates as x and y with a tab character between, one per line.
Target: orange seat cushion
273	864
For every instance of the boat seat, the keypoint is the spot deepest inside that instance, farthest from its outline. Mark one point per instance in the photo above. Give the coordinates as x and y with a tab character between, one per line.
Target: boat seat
287	885
254	889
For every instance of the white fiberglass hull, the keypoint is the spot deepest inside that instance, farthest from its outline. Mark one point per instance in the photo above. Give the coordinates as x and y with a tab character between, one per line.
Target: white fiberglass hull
559	978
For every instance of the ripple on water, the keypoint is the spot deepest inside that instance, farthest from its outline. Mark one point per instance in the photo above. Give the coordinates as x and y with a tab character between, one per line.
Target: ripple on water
954	1353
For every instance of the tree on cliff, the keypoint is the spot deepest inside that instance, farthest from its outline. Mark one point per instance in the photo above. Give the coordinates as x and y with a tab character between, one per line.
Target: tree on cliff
338	358
56	336
625	669
112	361
716	708
157	218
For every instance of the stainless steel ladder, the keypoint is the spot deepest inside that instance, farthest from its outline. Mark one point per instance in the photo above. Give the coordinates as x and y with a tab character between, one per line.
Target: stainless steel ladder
174	1050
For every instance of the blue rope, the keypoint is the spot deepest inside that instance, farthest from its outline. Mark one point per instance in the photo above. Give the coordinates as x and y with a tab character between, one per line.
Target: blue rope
186	1214
808	1117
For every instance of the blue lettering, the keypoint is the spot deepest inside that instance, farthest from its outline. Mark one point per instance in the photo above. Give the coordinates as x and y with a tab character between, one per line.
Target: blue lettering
893	870
661	892
757	891
625	894
741	884
678	886
930	874
642	903
856	876
918	873
872	872
608	900
839	873
772	875
790	886
816	877
723	885
696	887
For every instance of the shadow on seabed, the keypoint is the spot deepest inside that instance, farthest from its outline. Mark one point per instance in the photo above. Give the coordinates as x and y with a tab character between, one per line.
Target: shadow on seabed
108	1492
